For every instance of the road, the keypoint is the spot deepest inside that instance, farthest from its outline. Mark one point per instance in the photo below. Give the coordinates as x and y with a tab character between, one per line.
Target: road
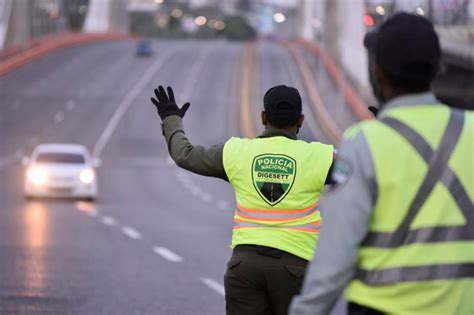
157	239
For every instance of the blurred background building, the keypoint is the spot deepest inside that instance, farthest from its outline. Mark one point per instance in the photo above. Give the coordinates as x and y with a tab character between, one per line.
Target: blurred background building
338	25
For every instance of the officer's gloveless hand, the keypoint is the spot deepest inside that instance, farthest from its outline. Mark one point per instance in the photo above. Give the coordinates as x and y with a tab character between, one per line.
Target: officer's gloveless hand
166	105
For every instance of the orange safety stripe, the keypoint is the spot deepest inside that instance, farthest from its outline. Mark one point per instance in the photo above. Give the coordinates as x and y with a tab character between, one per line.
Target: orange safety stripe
275	215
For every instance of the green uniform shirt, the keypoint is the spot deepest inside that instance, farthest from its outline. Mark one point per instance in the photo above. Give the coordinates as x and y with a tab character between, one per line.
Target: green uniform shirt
207	161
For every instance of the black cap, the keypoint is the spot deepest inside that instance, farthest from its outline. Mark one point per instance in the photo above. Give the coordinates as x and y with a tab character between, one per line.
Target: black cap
406	45
282	101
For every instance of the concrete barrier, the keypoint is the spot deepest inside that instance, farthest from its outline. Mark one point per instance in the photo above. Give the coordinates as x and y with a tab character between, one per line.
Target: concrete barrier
355	101
17	56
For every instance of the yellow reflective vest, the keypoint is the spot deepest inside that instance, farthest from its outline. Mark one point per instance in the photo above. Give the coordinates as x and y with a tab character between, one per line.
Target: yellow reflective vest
418	255
277	183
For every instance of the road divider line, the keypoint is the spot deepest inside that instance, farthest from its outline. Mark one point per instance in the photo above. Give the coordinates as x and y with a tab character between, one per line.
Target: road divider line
168	254
131	233
207	198
223	205
127	101
195	190
214	285
246	121
322	115
193	73
109	221
70	105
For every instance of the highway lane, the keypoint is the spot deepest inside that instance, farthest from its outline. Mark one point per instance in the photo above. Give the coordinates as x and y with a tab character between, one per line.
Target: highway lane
107	267
157	240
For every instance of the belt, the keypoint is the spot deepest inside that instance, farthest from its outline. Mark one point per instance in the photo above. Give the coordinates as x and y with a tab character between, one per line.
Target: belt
263	250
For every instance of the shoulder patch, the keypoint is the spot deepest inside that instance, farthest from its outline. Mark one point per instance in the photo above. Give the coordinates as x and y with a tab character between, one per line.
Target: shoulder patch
341	172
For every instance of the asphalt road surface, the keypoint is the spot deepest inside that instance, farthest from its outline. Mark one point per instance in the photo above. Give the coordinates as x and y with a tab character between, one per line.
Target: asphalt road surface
157	239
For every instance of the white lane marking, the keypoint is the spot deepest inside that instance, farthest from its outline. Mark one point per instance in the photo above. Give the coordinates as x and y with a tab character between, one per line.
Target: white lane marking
195	190
207	198
127	101
58	117
188	185
216	286
168	254
194	72
223	205
109	221
131	233
70	105
92	213
185	180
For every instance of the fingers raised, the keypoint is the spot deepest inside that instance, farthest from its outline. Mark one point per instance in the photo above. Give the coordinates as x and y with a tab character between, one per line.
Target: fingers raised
170	94
155	102
162	97
185	108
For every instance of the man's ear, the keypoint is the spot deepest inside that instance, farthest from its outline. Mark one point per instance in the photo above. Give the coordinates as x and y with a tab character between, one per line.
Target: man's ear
264	118
300	121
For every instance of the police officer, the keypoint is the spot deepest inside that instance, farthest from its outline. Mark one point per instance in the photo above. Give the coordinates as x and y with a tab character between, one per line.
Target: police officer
399	225
277	181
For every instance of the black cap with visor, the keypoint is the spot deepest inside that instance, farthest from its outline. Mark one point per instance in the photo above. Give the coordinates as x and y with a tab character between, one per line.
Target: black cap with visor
406	47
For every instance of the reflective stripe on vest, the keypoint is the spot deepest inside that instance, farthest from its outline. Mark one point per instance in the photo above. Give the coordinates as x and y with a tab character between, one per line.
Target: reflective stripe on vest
438	171
309	227
418	273
275	215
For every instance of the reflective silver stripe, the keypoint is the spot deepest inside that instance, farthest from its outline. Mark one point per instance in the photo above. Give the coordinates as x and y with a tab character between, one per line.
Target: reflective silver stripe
438	170
274	216
449	178
312	227
412	274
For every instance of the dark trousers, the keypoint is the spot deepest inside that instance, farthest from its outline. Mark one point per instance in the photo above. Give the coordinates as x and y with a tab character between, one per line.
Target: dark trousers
356	309
262	280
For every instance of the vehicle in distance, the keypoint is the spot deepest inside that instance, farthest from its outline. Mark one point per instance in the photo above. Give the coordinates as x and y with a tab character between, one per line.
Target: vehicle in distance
144	49
61	170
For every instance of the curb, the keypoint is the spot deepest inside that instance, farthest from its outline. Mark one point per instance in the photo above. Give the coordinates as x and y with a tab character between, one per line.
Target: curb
20	55
358	106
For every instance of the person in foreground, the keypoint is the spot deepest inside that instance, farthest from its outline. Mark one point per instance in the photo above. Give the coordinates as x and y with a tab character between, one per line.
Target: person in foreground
277	181
399	224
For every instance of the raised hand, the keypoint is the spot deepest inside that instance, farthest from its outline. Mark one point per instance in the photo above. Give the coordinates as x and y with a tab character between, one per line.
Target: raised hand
166	105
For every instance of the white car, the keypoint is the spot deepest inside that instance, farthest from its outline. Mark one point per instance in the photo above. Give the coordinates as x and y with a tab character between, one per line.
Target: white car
61	170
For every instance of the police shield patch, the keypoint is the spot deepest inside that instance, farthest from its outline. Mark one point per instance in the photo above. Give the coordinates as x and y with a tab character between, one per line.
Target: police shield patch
273	176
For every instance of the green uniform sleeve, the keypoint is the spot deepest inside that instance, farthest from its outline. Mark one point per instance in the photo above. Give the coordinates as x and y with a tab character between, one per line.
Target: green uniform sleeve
198	159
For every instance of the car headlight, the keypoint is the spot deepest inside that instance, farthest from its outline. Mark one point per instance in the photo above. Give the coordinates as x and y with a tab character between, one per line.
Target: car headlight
37	175
87	176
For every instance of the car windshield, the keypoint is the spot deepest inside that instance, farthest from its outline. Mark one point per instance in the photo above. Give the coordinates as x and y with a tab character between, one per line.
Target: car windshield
67	158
